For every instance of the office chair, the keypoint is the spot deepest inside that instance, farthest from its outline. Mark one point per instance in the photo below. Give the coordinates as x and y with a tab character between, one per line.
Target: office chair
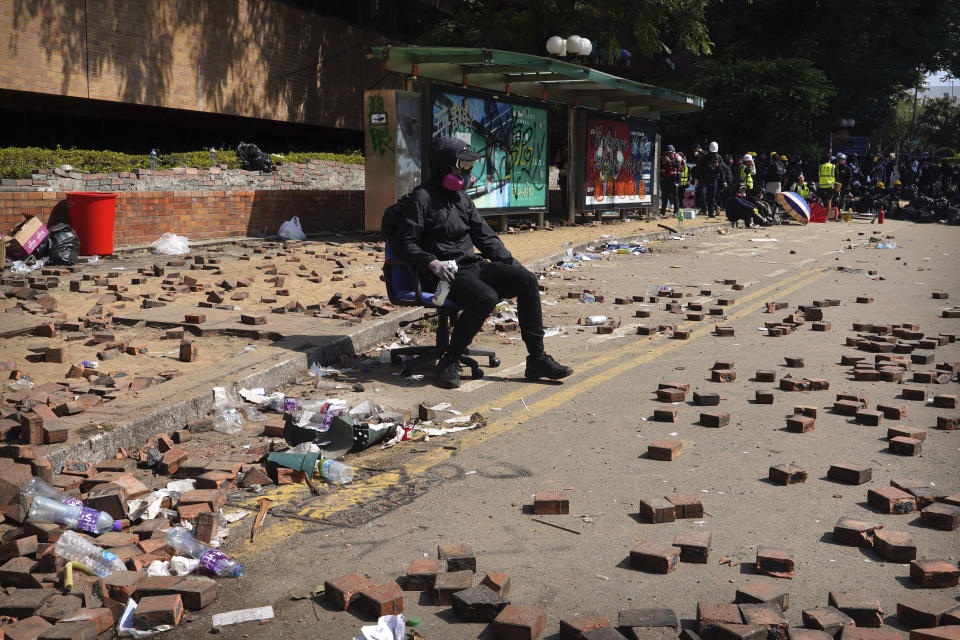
403	289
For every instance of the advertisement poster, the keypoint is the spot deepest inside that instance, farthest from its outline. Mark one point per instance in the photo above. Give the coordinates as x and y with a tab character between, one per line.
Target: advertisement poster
619	163
511	137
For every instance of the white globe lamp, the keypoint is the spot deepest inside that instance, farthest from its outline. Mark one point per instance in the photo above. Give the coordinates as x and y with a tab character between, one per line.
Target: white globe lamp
574	44
556	46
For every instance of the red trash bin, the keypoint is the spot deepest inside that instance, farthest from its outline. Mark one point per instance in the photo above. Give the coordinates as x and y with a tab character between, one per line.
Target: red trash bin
92	216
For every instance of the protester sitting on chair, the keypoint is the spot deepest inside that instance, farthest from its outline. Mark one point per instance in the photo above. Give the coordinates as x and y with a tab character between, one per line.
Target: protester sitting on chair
441	224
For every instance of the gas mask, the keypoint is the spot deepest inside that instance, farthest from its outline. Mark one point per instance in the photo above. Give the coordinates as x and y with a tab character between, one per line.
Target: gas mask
460	176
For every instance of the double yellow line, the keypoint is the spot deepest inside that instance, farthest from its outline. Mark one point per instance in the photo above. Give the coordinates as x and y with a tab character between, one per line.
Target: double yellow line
355	494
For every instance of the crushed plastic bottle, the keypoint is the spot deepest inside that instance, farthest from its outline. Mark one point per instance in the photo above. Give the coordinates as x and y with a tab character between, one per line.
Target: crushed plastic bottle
211	559
94	260
886	244
74	516
75	548
336	472
593	321
587	297
22	384
227	419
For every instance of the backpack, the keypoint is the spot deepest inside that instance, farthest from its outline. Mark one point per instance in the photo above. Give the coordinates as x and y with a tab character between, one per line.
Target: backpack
392	215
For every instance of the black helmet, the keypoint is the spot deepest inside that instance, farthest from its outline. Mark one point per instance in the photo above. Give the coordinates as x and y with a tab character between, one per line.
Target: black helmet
445	152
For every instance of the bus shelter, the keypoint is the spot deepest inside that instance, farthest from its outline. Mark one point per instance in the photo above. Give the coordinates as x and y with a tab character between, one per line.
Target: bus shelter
497	101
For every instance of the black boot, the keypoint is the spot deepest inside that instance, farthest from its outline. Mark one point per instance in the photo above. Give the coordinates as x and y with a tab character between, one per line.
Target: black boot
448	372
544	366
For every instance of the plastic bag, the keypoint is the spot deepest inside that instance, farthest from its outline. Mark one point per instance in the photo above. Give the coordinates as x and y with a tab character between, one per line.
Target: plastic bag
171	244
64	248
252	158
291	230
227	419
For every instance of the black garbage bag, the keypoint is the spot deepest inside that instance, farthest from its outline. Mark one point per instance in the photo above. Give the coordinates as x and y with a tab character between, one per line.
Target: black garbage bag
64	248
252	159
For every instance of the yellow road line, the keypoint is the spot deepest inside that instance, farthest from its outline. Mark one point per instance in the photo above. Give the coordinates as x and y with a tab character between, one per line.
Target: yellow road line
355	494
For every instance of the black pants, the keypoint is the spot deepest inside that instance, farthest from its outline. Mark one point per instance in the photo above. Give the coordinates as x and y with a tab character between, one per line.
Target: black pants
669	191
478	287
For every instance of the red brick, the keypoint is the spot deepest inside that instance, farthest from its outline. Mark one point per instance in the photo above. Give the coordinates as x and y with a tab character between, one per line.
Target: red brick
422	573
941	516
926	610
459	556
572	628
29	628
550	503
828	619
853	532
657	510
711	614
667	414
864	608
801	424
344	591
904	446
787	474
499	582
891	500
446	584
153	611
382	600
895	546
189	351
655	558
101	617
687	506
951	632
518	622
714	418
775	562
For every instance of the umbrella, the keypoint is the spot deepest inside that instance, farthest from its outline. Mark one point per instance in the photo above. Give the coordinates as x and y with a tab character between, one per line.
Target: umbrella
796	207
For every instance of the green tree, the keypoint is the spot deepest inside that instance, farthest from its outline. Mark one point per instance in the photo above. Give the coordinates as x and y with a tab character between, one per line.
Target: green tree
938	124
750	103
649	27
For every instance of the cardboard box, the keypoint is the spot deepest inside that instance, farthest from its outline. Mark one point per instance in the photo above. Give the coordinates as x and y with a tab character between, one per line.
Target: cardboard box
25	237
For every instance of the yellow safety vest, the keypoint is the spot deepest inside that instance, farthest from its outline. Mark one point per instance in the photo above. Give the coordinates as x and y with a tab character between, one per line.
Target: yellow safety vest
685	176
746	178
827	176
803	190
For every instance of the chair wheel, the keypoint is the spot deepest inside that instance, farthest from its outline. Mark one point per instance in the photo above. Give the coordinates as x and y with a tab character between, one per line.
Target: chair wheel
494	361
476	373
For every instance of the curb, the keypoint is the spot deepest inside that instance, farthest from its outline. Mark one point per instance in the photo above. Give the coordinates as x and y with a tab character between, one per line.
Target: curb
169	418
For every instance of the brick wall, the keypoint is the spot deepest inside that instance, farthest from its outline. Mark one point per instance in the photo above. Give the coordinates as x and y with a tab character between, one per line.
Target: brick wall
255	58
322	175
142	216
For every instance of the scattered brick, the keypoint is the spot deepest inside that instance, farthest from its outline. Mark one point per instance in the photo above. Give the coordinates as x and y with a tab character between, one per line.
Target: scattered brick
765	375
668	414
827	619
949	423
926	611
381	600
787	474
499	582
478	604
767	615
343	592
459	557
711	614
775	562
914	393
446	584
725	631
941	516
869	417
801	424
550	503
694	547
574	627
422	574
657	510
655	558
666	450
189	351
153	611
857	533
904	446
850	473
715	419
671	395
891	500
516	622
864	608
706	399
934	573
723	375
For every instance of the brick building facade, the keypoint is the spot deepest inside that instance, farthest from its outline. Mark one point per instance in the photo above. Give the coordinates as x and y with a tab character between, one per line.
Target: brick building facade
174	63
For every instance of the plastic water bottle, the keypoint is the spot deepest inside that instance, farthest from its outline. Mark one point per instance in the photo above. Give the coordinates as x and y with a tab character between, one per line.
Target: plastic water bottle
153	159
75	548
36	486
211	559
336	472
587	297
74	516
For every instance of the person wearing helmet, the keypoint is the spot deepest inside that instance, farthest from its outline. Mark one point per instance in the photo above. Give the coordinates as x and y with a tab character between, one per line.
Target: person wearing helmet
747	171
670	180
844	177
826	177
440	225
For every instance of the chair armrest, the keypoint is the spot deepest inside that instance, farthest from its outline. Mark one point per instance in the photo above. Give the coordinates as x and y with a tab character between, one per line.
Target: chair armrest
414	279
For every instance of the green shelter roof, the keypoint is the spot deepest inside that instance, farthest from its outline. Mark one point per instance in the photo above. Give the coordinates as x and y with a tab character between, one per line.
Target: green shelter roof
535	77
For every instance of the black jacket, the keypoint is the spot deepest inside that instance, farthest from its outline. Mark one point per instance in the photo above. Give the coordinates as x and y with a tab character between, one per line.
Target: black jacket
439	224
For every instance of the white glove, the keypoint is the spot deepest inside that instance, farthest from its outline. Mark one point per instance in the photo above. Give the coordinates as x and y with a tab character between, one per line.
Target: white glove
445	270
